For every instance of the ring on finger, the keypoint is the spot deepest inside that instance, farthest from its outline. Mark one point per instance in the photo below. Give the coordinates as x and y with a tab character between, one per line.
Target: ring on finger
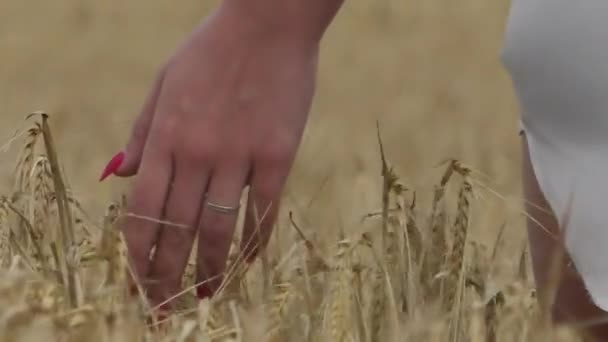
224	209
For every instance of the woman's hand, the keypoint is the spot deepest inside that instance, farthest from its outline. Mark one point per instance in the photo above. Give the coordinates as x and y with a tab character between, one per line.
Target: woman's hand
227	111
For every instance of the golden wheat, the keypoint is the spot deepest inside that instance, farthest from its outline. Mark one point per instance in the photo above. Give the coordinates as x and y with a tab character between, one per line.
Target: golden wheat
67	280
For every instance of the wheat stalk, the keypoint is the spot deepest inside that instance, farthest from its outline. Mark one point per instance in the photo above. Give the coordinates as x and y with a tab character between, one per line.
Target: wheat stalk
390	291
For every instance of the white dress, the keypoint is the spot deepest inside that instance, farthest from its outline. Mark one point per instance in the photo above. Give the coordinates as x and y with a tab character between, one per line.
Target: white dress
556	52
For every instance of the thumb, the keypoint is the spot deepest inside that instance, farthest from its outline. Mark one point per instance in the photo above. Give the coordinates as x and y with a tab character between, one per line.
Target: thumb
126	163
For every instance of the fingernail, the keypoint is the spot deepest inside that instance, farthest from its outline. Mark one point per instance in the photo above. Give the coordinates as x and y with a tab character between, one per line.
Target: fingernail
112	165
165	308
252	255
203	291
133	290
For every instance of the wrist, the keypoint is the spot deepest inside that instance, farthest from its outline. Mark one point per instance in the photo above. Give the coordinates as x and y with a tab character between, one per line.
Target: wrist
295	21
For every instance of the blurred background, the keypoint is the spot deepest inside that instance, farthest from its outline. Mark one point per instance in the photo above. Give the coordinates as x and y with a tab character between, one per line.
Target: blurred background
428	71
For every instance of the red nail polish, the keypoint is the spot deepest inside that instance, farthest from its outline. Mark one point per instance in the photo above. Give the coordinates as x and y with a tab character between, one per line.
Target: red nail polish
165	308
252	255
113	165
133	291
203	291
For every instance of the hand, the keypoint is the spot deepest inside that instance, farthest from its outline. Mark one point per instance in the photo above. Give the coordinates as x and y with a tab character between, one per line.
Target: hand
227	111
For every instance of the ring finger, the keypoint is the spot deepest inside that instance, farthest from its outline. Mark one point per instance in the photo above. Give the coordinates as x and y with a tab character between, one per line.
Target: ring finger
217	226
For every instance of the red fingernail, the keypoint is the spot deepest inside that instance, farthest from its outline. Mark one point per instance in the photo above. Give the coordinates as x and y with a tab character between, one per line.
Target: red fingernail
113	165
203	291
165	308
252	255
133	291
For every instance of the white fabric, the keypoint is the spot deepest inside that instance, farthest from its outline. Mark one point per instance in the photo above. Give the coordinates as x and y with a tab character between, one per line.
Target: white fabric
556	52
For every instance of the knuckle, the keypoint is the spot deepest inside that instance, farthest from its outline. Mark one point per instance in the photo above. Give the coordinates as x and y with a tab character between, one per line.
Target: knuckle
199	153
165	128
276	154
278	149
178	237
188	143
237	150
267	189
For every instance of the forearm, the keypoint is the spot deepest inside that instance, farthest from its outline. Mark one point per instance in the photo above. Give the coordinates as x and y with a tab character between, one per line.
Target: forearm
294	19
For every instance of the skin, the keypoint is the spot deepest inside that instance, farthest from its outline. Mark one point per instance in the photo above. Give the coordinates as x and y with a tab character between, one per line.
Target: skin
226	112
572	304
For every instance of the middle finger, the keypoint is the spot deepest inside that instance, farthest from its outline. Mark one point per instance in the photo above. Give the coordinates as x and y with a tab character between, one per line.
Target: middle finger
217	226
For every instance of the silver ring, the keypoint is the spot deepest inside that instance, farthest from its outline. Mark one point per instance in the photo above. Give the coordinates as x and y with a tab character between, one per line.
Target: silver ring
222	208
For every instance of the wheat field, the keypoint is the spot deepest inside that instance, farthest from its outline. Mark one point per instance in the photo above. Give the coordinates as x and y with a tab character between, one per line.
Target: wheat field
413	241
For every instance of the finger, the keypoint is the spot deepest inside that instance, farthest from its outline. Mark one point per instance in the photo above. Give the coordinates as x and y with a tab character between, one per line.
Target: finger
262	208
217	227
145	203
175	241
139	133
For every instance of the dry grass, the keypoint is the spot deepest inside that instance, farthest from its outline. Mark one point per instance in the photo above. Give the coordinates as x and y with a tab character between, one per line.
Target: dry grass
361	250
64	278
